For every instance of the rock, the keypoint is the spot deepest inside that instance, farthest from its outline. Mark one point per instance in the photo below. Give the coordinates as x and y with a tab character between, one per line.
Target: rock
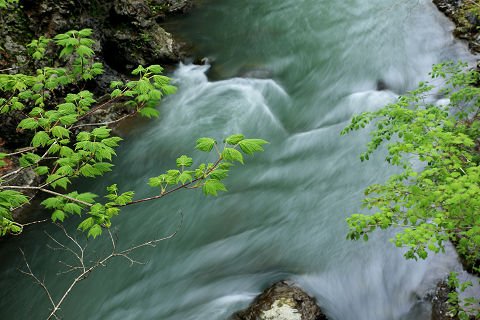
282	301
440	304
466	16
126	31
126	48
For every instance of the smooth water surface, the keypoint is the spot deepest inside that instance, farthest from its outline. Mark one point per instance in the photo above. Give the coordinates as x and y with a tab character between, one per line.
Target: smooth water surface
292	72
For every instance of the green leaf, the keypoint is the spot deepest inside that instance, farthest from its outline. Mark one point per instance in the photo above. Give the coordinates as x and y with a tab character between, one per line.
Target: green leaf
83	50
83	136
28	123
168	89
219	174
12	199
41	170
95	231
155	68
149	112
36	112
88	170
73	208
157	181
60	132
68	120
185	176
116	93
53	203
62	182
86	197
250	146
41	138
111	142
116	84
231	154
86	224
138	70
103	167
184	161
101	132
113	188
205	144
29	159
212	186
66	151
58	215
67	108
124	198
234	139
84	33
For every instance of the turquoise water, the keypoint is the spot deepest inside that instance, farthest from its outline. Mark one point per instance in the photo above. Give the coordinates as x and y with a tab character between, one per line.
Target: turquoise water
293	73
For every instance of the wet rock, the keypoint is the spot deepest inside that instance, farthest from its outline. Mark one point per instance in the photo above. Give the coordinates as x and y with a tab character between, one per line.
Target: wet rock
440	304
282	301
126	48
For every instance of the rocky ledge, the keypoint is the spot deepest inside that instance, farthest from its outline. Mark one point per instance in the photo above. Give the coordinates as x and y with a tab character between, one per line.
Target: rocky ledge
127	32
282	301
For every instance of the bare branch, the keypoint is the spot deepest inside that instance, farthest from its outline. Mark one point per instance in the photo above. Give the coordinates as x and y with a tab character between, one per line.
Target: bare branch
21	151
35	222
83	270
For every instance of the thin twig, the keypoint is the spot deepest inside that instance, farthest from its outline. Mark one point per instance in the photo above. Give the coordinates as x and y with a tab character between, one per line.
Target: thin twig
37	280
104	123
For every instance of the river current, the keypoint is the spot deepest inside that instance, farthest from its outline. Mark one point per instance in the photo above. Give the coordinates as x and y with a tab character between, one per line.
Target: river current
292	72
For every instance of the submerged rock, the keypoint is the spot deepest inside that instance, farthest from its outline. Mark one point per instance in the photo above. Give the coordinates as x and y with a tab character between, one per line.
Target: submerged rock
282	301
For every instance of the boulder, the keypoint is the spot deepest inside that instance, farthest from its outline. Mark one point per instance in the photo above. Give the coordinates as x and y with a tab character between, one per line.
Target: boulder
282	301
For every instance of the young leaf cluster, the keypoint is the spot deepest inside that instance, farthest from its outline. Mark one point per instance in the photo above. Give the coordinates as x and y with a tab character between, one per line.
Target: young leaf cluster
436	196
207	176
51	103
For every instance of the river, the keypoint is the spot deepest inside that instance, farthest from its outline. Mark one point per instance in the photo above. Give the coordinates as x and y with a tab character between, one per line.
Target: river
292	72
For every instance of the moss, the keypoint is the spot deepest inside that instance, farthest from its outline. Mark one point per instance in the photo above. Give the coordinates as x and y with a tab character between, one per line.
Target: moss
467	18
157	9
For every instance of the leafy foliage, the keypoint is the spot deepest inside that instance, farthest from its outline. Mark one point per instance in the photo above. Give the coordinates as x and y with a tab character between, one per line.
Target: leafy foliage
436	197
5	3
61	151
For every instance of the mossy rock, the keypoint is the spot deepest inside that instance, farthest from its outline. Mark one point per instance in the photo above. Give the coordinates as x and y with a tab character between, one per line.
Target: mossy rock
282	301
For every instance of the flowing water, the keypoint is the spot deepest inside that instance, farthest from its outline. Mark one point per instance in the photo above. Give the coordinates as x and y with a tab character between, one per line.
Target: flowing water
292	72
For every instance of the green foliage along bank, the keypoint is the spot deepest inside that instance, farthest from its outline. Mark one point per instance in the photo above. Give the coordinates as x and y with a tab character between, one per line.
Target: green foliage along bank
436	196
54	112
